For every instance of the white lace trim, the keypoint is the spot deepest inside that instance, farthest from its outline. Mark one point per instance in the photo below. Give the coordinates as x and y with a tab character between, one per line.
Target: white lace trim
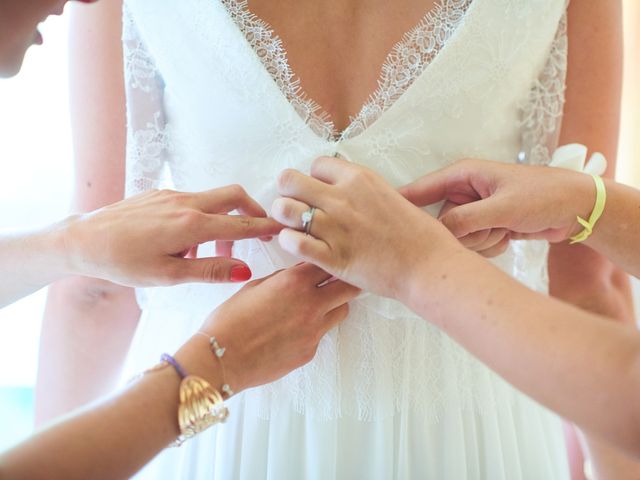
140	69
148	140
406	61
541	116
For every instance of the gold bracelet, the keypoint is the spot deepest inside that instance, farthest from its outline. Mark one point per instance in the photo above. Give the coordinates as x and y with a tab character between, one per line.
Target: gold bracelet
201	405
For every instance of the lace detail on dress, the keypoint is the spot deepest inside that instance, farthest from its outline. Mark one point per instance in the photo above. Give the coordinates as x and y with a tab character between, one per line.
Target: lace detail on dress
148	141
406	61
269	49
542	115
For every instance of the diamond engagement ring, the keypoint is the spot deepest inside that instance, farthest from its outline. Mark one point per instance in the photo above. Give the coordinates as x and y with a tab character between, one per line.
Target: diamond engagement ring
307	219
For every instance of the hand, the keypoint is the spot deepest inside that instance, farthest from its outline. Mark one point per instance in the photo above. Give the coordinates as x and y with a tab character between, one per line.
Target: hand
363	232
487	203
271	326
143	241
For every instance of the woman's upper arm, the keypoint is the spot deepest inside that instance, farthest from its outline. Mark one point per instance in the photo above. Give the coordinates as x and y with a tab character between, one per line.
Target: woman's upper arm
592	117
594	77
97	104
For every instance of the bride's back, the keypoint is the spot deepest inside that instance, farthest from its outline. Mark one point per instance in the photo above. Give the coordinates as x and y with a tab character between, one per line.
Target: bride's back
337	47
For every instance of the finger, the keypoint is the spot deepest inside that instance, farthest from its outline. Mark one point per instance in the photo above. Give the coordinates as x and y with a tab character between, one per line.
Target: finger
472	240
495	236
491	212
209	270
234	227
454	182
289	212
330	169
292	183
498	249
311	273
227	199
305	247
334	317
224	249
429	189
446	206
337	293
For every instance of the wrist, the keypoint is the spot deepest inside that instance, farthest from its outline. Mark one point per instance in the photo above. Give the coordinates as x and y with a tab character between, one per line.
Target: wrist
430	263
581	195
71	240
437	282
52	241
197	359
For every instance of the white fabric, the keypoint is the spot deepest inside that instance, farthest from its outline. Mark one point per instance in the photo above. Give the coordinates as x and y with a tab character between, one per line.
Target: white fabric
212	101
574	157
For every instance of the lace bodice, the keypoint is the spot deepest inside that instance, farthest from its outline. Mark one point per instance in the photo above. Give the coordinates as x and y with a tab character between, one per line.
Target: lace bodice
212	101
403	64
148	141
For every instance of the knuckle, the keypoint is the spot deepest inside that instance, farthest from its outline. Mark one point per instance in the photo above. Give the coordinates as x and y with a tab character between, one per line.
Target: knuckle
303	247
165	193
176	199
285	179
294	247
237	190
454	221
281	208
317	164
213	271
286	209
247	222
309	353
288	279
188	218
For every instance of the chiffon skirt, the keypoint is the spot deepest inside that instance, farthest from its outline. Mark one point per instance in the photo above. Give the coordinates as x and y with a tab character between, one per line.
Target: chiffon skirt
388	396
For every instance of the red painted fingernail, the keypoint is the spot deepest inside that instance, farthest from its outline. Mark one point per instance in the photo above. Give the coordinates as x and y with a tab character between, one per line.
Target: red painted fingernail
240	273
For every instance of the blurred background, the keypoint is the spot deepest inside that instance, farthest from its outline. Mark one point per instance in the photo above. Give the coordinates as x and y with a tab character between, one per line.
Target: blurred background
35	189
36	181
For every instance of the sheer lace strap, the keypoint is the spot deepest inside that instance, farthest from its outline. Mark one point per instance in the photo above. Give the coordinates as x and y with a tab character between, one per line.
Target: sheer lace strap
542	114
148	141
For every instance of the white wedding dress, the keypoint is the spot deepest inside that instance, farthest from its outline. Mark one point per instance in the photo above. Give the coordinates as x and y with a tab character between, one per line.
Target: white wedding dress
212	101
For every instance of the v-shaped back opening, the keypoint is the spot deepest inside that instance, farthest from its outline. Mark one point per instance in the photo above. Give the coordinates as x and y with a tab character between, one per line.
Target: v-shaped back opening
403	65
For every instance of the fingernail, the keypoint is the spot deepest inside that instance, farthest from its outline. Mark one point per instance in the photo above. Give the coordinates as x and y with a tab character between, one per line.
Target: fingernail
240	273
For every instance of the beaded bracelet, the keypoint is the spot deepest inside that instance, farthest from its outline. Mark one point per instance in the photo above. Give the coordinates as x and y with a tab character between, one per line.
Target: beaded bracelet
218	352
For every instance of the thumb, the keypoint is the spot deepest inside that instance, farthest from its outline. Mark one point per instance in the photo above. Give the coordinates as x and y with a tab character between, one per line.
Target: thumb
485	214
211	270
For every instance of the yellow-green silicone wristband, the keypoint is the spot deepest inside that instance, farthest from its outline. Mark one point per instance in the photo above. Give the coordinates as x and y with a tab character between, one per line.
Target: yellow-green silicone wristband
601	200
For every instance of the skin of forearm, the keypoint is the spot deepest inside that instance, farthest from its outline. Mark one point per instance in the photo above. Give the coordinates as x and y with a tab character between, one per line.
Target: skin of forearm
29	261
543	347
114	438
87	329
111	440
617	233
617	236
593	283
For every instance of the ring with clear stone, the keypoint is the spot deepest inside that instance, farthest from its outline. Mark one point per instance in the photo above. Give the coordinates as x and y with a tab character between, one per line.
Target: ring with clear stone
307	219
